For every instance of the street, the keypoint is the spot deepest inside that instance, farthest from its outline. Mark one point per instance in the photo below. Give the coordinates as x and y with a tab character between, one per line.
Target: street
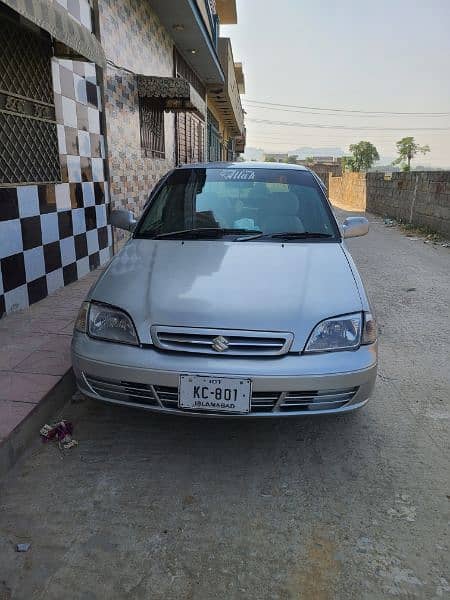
348	507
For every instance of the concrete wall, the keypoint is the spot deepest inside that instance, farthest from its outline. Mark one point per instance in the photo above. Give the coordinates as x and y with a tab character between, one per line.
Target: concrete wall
421	198
348	191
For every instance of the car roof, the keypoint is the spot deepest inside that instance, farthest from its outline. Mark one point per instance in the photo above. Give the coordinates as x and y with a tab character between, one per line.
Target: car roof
243	165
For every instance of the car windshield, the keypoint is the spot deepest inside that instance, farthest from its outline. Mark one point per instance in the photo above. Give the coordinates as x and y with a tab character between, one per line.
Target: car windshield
248	204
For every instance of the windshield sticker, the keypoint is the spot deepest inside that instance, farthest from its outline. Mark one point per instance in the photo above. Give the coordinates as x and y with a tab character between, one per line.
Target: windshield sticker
235	174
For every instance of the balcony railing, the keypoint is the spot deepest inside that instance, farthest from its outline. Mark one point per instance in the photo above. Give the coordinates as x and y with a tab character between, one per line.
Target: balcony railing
207	9
227	98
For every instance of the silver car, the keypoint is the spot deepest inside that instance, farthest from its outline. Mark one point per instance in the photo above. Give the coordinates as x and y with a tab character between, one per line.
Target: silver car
234	297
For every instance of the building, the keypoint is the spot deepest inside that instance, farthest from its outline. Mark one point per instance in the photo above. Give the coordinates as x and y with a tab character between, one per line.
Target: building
324	167
171	95
226	131
276	157
325	159
98	100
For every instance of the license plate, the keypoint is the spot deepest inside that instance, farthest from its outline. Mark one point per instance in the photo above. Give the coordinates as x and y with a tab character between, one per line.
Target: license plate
217	394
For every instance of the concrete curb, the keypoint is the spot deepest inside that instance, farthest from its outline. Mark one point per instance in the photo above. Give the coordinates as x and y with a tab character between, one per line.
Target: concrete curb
20	438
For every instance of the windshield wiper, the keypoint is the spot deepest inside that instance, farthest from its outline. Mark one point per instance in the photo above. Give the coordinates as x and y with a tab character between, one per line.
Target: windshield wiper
286	235
197	233
304	235
253	235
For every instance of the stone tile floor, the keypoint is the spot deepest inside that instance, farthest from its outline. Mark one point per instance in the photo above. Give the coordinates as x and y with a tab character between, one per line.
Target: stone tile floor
35	351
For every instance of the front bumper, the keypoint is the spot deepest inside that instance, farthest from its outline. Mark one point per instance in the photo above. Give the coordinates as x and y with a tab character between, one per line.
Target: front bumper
291	385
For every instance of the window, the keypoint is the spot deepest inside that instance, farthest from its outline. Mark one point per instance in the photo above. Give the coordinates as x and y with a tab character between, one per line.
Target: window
28	138
152	127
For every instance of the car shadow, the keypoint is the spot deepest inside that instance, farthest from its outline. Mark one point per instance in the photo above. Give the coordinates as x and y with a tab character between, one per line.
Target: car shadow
188	443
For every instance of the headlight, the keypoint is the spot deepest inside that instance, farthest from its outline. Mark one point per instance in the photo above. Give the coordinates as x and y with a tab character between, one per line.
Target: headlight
106	323
109	323
339	333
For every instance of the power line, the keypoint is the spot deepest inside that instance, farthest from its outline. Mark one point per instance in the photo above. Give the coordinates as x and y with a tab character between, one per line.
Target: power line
332	114
344	127
335	137
349	110
254	129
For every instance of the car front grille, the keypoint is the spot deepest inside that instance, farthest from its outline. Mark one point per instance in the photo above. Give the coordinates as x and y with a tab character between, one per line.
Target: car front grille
221	342
262	402
124	391
317	400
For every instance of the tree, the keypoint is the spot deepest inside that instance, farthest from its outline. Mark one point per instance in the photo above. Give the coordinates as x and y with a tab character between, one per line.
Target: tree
364	154
347	163
309	160
292	160
407	150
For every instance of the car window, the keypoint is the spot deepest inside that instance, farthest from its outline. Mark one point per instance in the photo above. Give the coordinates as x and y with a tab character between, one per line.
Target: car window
265	200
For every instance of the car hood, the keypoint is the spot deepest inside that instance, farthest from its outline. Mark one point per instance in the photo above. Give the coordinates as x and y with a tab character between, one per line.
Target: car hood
259	286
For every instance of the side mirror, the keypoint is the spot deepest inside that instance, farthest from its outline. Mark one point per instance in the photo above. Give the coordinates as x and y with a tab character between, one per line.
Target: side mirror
123	219
355	227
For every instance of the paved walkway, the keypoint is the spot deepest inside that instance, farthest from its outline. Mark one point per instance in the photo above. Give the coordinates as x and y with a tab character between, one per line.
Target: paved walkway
35	351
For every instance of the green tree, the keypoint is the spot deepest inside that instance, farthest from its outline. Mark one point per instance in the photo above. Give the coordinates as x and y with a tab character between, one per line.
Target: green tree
347	163
309	160
364	154
292	160
407	150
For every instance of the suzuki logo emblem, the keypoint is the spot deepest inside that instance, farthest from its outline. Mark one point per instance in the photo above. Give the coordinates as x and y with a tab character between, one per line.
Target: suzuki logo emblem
220	344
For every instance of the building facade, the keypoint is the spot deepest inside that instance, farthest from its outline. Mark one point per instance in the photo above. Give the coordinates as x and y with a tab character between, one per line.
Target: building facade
98	100
171	95
135	42
276	157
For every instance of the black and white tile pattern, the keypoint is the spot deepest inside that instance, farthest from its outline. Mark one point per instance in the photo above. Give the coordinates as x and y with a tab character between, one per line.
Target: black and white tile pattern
53	234
54	238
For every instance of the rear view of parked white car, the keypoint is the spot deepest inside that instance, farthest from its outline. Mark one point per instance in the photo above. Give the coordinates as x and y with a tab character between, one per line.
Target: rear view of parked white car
234	297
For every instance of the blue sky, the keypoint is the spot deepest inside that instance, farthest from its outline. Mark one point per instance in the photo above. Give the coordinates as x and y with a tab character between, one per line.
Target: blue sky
373	56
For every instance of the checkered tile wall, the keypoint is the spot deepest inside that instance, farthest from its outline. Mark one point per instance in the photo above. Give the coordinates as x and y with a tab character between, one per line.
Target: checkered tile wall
50	235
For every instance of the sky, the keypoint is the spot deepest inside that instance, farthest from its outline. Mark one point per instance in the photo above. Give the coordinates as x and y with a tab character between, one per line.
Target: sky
380	55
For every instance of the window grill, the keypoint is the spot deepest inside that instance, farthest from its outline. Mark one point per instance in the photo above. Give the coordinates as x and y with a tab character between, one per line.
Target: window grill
190	128
152	127
28	136
229	150
190	138
214	142
182	69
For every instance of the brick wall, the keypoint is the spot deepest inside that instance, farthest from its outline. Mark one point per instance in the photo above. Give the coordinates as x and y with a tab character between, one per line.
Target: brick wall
326	171
421	198
348	191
